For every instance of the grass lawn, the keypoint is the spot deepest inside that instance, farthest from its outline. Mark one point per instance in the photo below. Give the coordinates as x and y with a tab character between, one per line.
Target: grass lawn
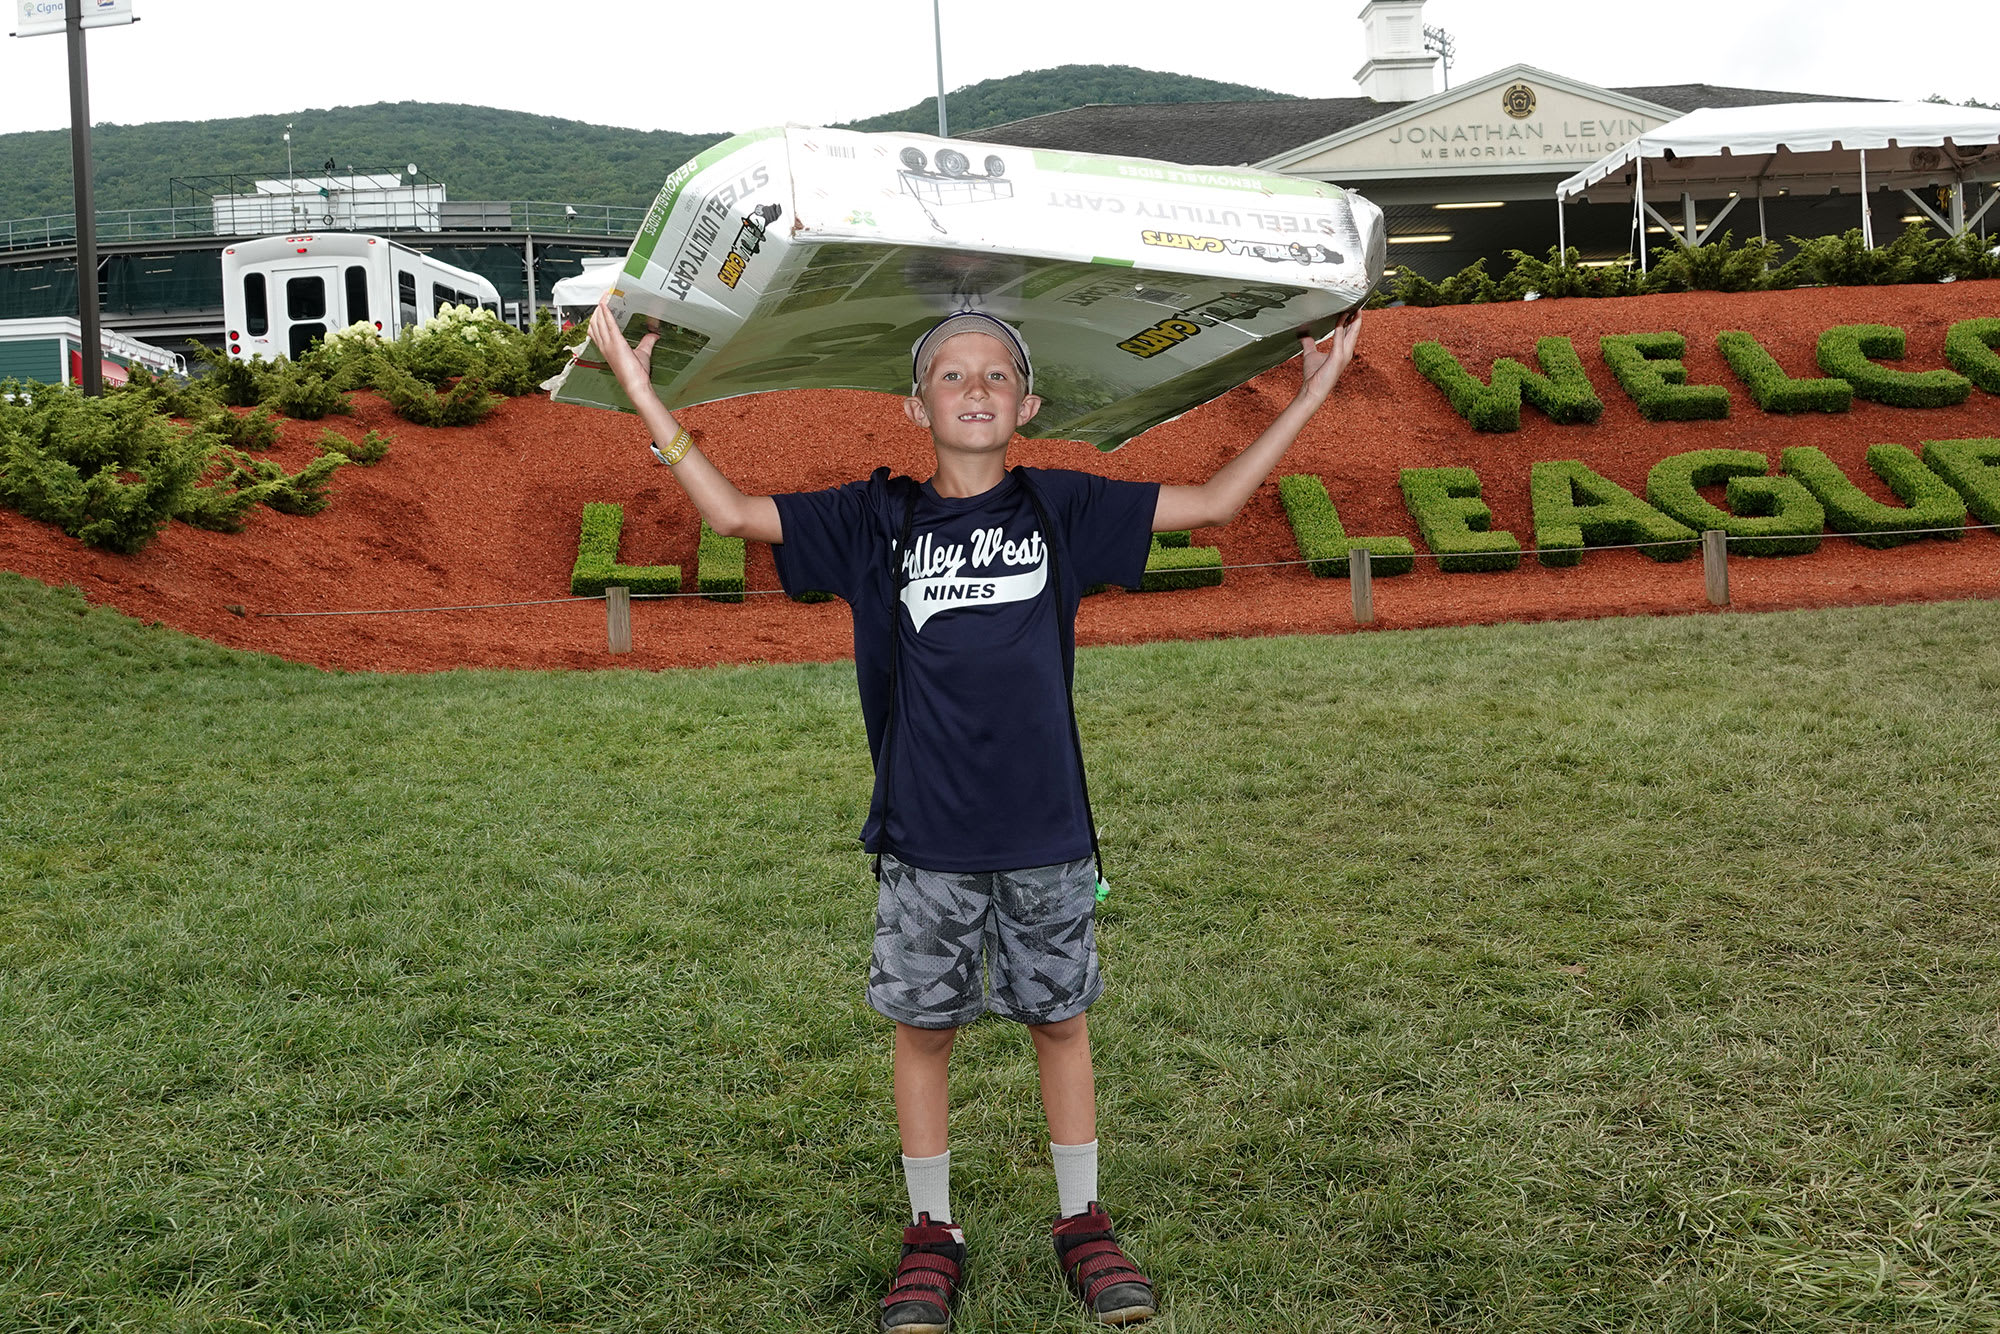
1597	976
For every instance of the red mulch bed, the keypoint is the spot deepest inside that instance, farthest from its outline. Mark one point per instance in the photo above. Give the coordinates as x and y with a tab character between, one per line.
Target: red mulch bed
490	514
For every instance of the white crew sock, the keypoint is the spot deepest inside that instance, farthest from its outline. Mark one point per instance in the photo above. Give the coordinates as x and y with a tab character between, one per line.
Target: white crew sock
1076	1176
929	1184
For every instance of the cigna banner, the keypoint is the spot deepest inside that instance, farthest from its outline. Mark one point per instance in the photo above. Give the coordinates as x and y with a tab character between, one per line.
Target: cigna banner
35	17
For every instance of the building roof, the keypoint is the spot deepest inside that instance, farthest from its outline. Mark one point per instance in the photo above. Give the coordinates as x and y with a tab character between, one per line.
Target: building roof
1231	133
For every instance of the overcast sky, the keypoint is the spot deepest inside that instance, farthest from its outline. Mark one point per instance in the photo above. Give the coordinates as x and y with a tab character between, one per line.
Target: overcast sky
738	64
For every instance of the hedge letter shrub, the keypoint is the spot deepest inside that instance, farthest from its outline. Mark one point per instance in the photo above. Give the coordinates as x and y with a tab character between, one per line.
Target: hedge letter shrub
1970	346
1323	542
1973	469
718	566
1453	519
1564	392
597	566
1928	501
1768	516
1176	564
1848	351
1575	508
1648	366
1773	390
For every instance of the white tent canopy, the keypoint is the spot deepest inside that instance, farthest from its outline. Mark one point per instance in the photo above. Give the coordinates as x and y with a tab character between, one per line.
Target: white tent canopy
1802	148
575	295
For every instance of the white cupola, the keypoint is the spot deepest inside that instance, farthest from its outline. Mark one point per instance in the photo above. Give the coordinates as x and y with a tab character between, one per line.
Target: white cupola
1399	69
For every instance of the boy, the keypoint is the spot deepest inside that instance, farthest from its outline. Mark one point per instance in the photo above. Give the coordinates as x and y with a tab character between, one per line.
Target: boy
964	591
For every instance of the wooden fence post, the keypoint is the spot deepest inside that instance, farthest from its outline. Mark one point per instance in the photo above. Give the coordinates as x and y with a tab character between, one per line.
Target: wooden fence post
1361	582
618	618
1715	565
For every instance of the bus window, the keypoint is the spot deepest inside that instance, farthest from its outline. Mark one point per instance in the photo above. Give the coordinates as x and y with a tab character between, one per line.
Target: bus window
357	294
256	310
444	297
406	300
305	298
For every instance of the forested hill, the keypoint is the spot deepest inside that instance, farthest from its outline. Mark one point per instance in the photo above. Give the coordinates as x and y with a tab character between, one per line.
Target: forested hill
483	153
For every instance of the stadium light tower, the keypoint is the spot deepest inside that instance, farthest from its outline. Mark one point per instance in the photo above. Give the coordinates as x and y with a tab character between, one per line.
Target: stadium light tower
1439	41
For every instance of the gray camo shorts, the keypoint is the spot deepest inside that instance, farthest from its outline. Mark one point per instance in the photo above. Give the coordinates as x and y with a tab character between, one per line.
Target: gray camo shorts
953	945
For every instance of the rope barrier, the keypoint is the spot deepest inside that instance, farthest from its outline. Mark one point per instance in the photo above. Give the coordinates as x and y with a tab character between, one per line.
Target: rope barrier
1247	565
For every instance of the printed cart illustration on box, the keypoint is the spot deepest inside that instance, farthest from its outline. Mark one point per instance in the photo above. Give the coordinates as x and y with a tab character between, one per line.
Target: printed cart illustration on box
952	182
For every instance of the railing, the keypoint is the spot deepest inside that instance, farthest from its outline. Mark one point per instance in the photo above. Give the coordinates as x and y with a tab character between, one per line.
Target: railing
138	225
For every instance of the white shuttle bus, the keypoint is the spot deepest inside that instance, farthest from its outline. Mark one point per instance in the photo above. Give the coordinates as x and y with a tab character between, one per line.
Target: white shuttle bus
281	292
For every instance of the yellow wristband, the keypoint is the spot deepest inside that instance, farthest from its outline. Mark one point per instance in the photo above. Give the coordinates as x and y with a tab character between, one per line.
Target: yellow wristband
675	451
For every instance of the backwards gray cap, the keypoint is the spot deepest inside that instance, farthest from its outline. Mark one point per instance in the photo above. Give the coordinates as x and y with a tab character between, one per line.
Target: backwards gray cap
969	321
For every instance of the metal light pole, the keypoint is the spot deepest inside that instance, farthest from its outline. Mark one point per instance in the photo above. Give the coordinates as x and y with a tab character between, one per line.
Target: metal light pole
86	203
1439	42
937	26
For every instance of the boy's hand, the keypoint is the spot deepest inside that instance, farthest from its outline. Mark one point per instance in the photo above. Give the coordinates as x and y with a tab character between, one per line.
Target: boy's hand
1323	365
633	367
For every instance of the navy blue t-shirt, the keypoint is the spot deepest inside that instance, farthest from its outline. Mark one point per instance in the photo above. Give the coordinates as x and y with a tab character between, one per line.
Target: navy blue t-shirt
982	772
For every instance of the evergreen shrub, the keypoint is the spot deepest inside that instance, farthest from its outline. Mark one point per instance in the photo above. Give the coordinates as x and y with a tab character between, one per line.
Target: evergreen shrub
1767	516
1454	520
1576	507
466	403
108	471
1929	502
597	566
368	450
1771	388
1849	351
1648	367
1324	543
1972	467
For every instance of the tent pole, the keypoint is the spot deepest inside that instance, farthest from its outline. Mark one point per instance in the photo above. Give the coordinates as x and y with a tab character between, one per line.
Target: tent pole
1689	238
1562	233
1761	230
1639	215
1958	209
1867	224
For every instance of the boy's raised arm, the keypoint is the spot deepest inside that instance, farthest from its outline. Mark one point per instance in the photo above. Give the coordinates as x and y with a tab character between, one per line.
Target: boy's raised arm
1216	501
727	510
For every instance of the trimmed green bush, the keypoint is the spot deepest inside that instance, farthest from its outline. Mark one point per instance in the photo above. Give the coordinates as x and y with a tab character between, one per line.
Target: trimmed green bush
307	491
718	566
1173	564
1929	502
597	566
1970	348
1648	367
1767	516
255	429
1575	508
1849	351
1323	542
1453	520
1773	390
1972	467
1564	391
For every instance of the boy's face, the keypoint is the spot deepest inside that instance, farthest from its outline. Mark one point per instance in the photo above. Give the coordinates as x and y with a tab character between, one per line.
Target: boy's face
973	396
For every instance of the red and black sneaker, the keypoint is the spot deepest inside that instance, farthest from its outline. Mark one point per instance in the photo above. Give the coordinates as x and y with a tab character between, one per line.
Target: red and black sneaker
925	1286
1107	1283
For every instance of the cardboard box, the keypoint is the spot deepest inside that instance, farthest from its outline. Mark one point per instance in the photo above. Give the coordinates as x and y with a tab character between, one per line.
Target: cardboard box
813	258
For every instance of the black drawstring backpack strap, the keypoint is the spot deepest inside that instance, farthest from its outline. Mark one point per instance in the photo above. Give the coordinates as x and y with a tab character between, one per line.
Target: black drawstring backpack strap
1066	639
898	578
